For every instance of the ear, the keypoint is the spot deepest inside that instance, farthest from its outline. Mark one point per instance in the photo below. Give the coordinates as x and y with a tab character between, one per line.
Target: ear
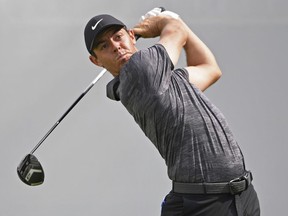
95	61
132	36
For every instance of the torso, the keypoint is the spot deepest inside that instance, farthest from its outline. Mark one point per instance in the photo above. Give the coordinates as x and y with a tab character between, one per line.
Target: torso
190	133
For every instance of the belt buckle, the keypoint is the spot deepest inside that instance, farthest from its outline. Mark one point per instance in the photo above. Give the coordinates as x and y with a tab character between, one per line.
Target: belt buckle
247	178
232	189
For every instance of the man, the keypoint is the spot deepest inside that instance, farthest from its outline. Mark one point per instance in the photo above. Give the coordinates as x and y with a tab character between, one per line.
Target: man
203	159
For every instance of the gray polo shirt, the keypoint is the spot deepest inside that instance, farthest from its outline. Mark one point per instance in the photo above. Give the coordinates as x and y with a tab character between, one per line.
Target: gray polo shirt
190	133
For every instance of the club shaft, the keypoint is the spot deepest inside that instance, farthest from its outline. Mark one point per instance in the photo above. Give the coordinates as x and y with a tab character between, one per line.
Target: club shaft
68	110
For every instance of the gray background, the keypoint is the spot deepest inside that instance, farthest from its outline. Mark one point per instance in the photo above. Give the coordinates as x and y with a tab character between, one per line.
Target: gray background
98	162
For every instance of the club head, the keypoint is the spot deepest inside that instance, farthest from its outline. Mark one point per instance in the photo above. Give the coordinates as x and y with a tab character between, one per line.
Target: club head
30	171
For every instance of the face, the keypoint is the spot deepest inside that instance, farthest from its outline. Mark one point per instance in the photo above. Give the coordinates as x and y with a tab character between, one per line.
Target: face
114	49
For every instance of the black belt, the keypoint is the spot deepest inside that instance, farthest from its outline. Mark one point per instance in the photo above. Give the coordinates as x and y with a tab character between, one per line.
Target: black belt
234	186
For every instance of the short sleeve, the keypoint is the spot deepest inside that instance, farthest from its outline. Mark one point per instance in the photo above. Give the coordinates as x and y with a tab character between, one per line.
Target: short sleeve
148	70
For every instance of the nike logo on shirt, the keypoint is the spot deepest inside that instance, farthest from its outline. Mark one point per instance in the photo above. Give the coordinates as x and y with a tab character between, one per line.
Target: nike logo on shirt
94	27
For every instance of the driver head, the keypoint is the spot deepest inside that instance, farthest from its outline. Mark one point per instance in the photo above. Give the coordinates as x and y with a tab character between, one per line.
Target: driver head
30	171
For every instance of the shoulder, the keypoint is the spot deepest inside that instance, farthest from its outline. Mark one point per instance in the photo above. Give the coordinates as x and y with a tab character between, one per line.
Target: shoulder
148	70
148	63
153	56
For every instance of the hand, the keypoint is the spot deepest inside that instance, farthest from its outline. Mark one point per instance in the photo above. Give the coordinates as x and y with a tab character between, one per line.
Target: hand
170	14
158	11
148	26
153	12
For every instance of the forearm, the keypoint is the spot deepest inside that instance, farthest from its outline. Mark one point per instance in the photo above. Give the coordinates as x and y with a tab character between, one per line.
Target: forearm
172	32
176	35
177	32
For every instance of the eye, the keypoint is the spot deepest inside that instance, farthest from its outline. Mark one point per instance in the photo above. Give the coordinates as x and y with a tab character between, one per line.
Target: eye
118	36
103	46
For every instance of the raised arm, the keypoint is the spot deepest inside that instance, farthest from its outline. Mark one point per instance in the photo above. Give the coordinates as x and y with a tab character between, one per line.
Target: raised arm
201	63
174	35
172	32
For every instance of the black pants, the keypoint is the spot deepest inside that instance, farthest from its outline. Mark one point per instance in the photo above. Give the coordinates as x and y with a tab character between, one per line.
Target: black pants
243	204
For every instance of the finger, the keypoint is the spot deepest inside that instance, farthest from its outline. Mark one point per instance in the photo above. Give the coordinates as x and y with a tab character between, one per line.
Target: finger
138	31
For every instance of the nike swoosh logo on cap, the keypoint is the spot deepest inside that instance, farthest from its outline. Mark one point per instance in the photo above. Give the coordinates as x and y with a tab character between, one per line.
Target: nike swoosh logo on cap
94	27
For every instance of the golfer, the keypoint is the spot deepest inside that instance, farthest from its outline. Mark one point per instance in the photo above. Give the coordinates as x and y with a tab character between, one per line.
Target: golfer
204	161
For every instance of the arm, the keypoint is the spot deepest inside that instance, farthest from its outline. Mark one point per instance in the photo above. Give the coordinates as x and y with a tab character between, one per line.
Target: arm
175	35
171	31
201	64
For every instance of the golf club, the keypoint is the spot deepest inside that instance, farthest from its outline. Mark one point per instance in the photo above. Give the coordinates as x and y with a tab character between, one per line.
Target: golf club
30	170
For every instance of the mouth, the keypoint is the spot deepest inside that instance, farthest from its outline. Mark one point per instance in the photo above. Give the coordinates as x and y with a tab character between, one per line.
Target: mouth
123	57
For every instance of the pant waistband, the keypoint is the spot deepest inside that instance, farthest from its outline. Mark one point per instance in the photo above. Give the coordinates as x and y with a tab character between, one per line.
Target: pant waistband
235	186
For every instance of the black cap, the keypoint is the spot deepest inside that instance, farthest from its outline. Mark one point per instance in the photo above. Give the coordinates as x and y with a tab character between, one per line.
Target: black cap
96	25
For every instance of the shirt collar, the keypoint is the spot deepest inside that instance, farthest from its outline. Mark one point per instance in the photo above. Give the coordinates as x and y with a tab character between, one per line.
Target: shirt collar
112	89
